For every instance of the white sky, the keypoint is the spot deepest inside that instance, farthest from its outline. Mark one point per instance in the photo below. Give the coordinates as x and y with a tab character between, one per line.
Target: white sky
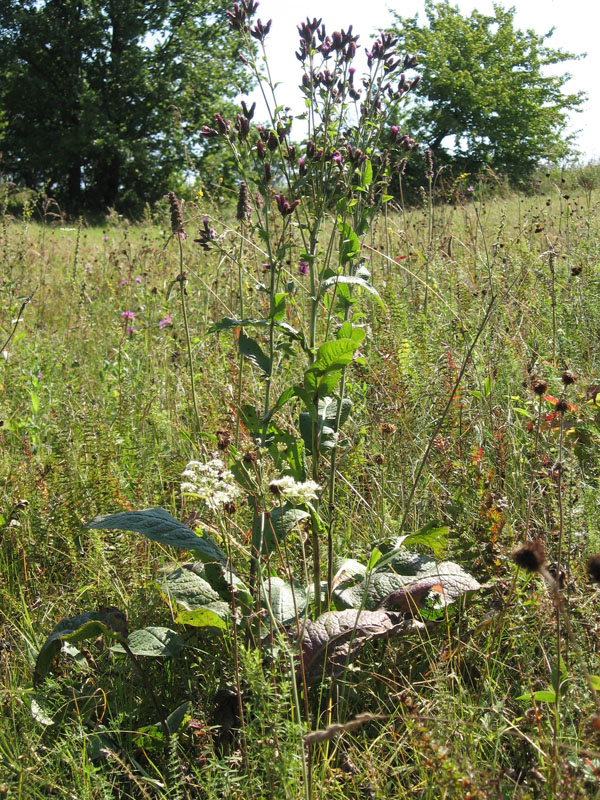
576	24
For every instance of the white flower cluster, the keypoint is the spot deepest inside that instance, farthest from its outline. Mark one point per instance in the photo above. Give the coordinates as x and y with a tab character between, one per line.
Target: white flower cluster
294	491
210	482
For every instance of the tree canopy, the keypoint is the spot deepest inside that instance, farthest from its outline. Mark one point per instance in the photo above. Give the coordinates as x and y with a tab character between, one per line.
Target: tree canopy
102	101
486	96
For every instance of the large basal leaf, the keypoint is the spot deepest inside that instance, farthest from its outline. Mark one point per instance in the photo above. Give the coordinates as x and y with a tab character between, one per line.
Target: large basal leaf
392	590
110	623
194	600
152	641
333	640
158	525
273	526
286	601
331	359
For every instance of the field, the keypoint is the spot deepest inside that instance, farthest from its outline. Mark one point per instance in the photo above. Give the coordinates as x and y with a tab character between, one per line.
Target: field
479	679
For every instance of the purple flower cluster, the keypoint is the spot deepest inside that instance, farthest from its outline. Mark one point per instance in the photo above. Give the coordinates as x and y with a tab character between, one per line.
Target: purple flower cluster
206	234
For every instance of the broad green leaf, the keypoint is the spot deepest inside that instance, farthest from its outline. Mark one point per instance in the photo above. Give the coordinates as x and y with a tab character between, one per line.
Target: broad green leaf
542	696
273	526
367	175
197	603
349	331
349	243
595	681
176	721
228	323
89	625
433	535
158	525
351	280
383	588
251	349
152	641
279	306
327	368
281	596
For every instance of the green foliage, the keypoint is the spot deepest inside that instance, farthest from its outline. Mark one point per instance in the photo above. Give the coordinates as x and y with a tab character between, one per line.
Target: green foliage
486	97
101	101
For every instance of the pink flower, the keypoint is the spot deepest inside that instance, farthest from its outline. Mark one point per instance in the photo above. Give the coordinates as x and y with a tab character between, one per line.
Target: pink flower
303	268
126	315
130	331
138	280
105	238
163	323
124	282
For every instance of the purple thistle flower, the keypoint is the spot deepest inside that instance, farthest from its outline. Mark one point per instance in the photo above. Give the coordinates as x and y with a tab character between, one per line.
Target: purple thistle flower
124	282
165	322
128	315
303	268
138	280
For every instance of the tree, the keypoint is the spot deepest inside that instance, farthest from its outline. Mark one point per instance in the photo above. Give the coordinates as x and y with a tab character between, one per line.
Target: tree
485	97
102	101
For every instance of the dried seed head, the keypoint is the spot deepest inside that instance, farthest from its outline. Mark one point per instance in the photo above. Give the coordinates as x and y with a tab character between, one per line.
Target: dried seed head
539	387
593	568
388	428
250	457
224	439
378	459
568	377
531	557
176	215
562	407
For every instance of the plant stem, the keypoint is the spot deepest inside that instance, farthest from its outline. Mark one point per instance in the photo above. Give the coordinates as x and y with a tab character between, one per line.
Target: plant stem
181	280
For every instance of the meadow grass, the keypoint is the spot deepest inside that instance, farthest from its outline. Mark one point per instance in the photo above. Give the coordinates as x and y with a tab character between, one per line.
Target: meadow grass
96	418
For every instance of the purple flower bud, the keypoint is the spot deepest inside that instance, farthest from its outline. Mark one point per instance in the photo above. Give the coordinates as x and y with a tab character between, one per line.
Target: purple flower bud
222	126
208	132
260	149
337	157
394	132
303	268
248	113
272	142
310	148
302	166
260	31
268	173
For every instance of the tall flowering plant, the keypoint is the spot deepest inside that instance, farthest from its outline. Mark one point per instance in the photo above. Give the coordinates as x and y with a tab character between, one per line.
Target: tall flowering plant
289	193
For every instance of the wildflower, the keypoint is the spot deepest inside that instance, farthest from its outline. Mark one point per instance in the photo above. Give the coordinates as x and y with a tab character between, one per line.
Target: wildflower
568	377
206	234
176	215
105	238
243	205
138	280
128	315
294	491
470	189
130	331
303	268
124	282
210	482
531	557
165	322
286	208
539	387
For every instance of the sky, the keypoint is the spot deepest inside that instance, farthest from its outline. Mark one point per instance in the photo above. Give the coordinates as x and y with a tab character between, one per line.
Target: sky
575	22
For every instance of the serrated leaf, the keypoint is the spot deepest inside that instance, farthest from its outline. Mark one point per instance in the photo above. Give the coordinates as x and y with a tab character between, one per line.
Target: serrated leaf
153	641
158	525
327	368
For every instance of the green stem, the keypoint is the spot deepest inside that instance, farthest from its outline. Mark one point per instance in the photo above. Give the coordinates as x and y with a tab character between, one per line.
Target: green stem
181	280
